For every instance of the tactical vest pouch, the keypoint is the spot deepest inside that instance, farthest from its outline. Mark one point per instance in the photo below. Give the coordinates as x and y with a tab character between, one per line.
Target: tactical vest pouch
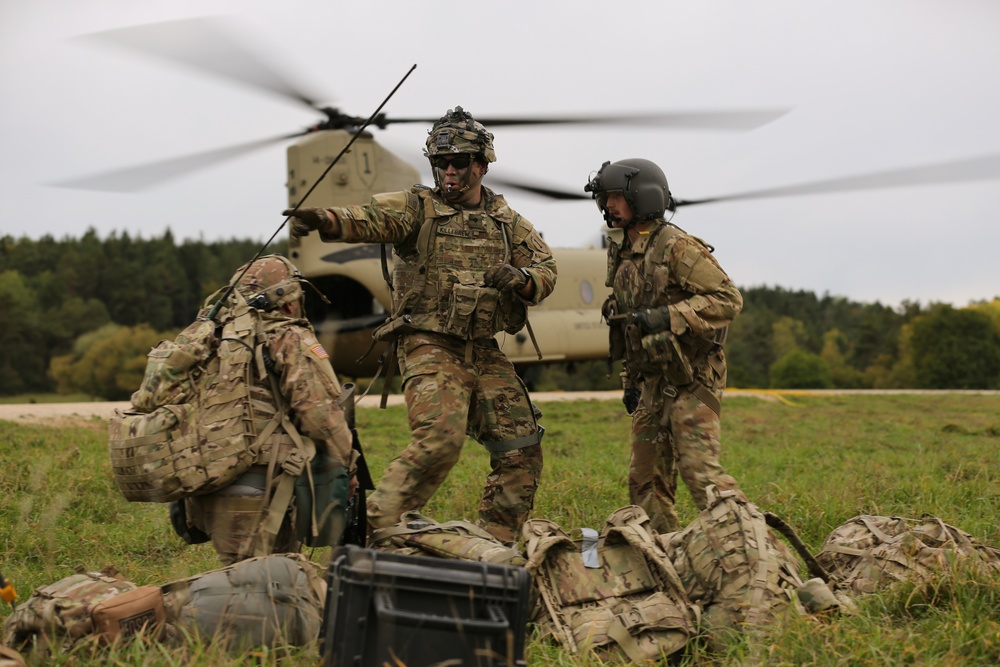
472	309
268	601
139	610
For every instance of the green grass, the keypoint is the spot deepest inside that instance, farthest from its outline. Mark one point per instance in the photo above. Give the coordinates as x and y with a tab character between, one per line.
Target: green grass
816	461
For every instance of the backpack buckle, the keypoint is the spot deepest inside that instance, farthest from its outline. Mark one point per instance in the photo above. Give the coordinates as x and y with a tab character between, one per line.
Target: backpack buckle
294	464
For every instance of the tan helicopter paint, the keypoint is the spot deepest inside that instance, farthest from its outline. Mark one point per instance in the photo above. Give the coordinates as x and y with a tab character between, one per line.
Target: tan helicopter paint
567	325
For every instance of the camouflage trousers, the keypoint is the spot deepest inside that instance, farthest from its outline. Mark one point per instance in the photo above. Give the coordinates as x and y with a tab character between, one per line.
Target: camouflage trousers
670	436
232	518
447	398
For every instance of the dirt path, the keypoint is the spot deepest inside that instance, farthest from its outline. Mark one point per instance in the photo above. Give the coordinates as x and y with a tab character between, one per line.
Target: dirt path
94	414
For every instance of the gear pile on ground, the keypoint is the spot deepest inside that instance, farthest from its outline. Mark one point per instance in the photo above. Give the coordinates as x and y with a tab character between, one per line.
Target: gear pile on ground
271	601
626	590
870	553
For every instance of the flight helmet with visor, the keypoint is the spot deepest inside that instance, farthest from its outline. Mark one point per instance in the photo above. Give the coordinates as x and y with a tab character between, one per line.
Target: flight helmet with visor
641	182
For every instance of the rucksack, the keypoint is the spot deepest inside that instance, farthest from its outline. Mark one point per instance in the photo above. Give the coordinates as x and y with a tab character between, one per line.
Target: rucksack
190	430
733	565
60	614
868	553
621	595
271	601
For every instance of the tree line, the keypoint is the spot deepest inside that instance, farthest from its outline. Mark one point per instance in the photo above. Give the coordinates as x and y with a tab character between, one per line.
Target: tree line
79	316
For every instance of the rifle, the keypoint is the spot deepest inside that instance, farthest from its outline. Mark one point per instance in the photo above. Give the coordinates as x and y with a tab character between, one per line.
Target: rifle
357	518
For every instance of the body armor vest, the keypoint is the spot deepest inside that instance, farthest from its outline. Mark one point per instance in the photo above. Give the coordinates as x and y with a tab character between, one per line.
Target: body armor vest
438	278
630	275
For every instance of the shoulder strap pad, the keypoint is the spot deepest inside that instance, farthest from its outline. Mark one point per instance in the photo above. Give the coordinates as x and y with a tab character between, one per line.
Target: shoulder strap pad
665	236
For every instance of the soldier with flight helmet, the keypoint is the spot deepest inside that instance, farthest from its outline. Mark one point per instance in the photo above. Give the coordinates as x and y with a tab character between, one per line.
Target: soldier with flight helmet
466	265
669	312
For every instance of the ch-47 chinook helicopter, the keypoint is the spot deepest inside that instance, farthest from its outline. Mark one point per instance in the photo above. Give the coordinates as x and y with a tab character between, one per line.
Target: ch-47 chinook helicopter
567	325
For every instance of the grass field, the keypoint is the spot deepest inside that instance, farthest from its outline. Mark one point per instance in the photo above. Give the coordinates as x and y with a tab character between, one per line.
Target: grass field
815	461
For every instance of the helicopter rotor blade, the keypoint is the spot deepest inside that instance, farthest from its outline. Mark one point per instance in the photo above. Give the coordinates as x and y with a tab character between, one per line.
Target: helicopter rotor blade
705	120
141	177
984	167
545	191
208	44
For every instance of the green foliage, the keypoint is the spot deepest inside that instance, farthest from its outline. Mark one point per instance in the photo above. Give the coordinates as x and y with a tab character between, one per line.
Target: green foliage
787	335
108	362
955	349
54	291
836	350
22	362
578	376
800	370
816	461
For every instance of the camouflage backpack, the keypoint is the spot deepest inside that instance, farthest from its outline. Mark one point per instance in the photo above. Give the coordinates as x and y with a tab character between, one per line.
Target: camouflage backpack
60	614
619	594
271	601
416	534
868	553
737	569
190	430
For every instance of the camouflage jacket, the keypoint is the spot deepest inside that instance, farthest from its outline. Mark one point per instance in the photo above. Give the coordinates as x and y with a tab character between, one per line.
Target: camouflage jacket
308	383
697	294
442	253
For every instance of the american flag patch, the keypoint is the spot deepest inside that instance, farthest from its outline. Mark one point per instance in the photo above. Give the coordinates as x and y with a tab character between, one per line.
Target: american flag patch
318	350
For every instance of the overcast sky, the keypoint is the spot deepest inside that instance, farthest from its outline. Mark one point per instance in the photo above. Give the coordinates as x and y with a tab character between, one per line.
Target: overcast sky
871	86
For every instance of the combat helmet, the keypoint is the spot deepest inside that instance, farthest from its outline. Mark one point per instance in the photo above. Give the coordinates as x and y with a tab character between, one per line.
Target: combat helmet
641	182
458	132
271	282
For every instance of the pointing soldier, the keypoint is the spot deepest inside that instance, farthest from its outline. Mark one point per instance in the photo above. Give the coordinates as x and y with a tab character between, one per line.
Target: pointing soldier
466	266
669	313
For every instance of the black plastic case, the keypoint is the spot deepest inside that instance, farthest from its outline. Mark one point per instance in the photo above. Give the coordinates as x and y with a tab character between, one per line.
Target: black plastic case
390	609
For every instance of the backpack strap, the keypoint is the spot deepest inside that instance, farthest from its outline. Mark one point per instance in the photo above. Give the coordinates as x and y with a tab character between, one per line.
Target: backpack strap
297	460
292	467
665	235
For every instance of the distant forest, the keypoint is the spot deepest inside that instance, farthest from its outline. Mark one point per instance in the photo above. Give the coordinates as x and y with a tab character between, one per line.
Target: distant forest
79	316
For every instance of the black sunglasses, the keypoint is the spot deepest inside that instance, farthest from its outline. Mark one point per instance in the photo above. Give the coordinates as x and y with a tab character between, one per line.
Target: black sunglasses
458	162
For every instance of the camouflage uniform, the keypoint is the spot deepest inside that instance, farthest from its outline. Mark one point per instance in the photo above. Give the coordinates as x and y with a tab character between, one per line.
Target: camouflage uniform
301	367
456	380
680	371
